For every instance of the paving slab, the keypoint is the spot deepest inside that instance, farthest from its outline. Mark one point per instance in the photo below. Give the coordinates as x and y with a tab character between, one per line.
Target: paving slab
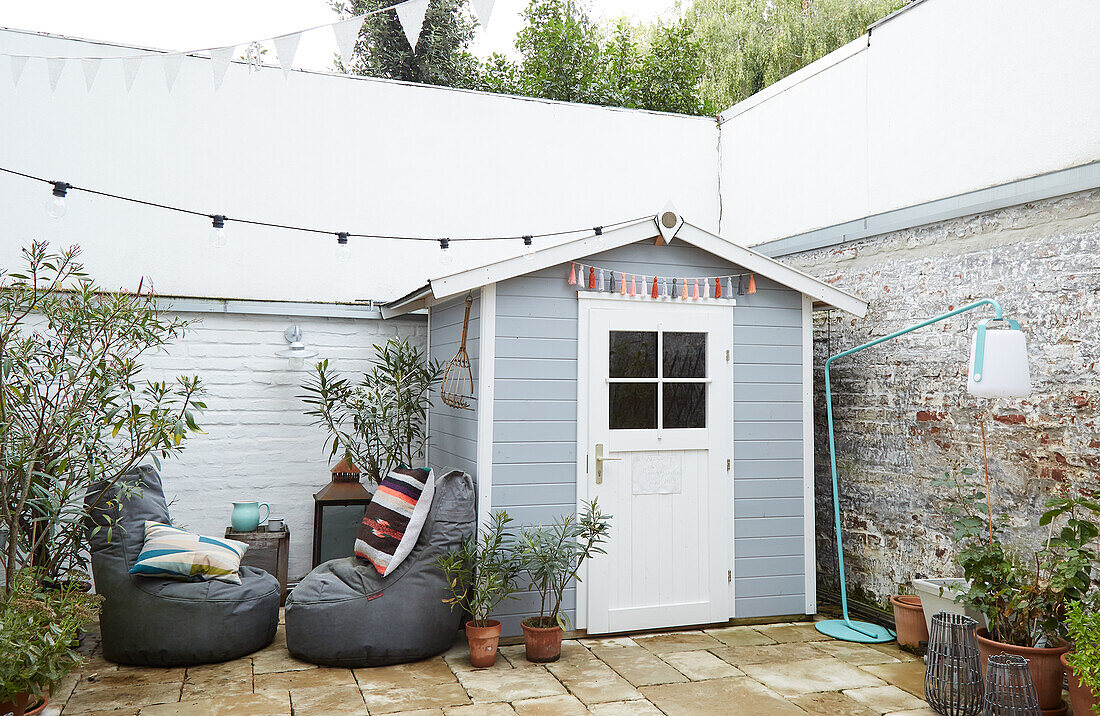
701	665
787	633
677	641
884	699
892	649
275	657
551	706
592	681
231	677
907	675
918	712
286	680
480	710
737	695
87	697
267	704
858	654
739	636
385	700
419	712
489	685
571	651
607	641
132	678
428	671
626	708
831	703
800	677
325	700
638	666
766	654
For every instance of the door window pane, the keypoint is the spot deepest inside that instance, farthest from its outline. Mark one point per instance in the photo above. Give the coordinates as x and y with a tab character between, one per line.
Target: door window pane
684	355
632	406
633	354
685	405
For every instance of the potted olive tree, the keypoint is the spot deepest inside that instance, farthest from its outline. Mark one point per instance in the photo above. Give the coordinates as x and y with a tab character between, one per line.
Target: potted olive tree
551	557
1024	597
37	630
1083	663
73	408
481	574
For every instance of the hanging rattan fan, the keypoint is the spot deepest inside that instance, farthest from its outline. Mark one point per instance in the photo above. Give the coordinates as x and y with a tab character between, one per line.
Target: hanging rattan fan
458	380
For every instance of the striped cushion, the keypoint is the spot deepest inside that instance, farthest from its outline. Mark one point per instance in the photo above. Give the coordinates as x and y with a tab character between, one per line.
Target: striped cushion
394	518
178	554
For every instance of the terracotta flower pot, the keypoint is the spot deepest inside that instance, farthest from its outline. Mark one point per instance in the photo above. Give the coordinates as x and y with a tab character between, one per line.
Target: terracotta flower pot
1080	696
483	642
1045	665
909	620
19	705
543	644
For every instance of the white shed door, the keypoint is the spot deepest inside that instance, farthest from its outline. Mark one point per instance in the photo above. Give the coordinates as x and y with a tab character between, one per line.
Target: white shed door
659	408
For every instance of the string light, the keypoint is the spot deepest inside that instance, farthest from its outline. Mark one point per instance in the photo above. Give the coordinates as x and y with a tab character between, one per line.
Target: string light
55	205
529	250
598	231
217	234
343	251
445	255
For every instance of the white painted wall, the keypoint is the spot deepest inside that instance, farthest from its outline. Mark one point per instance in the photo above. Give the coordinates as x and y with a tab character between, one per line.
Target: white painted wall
346	154
258	443
944	98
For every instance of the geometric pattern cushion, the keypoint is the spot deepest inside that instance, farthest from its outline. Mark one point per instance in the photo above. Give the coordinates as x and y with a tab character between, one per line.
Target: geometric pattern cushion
178	554
393	519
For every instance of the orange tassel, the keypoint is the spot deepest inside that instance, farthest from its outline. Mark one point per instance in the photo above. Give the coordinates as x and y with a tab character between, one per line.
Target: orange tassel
633	285
717	288
572	274
654	294
695	295
752	284
591	277
622	284
684	294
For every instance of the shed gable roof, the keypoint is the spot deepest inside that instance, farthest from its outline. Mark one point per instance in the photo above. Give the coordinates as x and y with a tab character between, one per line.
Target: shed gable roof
445	287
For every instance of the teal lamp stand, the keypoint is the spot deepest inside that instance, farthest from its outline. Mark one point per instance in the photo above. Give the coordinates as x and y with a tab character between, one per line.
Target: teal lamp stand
1010	361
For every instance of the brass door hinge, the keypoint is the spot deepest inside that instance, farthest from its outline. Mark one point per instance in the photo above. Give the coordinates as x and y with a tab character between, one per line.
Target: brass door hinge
729	576
727	465
727	355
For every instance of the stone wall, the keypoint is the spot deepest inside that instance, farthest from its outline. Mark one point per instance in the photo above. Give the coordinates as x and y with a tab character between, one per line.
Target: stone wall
258	443
903	414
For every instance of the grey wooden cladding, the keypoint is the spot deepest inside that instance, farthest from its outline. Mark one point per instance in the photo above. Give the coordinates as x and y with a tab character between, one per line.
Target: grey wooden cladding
452	433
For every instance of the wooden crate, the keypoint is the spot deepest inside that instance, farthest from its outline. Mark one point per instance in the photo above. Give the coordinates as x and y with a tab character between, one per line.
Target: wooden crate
268	551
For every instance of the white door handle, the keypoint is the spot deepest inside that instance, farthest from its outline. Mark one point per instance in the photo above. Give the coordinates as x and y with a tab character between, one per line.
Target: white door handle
600	460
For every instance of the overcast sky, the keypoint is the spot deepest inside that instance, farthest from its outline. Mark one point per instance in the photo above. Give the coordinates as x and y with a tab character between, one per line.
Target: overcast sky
197	24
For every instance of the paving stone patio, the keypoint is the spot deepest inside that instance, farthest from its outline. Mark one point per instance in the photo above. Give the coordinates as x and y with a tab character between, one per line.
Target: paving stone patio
773	669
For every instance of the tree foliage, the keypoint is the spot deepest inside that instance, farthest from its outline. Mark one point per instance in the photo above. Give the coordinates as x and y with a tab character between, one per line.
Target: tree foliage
749	44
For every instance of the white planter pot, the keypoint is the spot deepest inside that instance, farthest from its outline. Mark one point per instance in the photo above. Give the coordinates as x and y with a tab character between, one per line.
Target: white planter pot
938	595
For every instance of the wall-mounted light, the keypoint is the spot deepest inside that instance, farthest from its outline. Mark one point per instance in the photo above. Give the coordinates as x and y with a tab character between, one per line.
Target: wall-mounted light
296	353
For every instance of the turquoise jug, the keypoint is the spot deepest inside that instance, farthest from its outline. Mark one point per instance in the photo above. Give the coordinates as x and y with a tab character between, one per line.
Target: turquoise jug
246	516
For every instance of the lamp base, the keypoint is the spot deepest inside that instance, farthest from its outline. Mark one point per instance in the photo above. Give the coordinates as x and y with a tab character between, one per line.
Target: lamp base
862	632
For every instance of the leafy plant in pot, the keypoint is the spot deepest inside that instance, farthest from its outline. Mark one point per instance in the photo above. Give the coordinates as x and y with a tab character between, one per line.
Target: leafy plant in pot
552	556
37	630
1024	595
1083	663
481	574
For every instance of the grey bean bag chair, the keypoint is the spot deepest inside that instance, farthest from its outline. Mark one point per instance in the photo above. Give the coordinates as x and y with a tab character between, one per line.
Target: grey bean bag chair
170	622
346	614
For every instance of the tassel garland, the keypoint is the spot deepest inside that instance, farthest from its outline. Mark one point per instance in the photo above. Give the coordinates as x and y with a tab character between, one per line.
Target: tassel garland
572	274
684	294
669	287
654	293
633	286
592	277
752	284
695	293
717	288
622	284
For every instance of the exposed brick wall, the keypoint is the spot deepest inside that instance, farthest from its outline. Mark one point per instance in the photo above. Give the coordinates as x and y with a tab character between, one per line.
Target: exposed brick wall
903	414
258	444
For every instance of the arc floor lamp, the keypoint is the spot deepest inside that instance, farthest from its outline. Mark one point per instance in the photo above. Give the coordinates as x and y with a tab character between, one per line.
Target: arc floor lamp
998	369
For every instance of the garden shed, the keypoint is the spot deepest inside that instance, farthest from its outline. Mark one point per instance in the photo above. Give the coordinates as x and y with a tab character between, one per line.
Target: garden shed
666	371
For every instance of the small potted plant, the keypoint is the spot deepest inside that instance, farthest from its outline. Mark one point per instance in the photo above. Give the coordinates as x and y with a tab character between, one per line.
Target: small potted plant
1083	663
909	621
37	631
481	574
551	556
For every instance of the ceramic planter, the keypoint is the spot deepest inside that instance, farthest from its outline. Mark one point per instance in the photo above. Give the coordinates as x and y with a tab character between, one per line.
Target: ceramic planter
483	642
938	595
1080	697
909	621
543	644
19	705
1044	663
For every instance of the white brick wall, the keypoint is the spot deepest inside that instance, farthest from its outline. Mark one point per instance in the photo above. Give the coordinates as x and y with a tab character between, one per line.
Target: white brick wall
258	444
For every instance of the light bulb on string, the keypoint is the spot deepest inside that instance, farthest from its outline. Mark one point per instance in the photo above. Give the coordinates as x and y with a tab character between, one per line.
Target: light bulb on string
529	248
55	205
343	250
217	233
598	230
445	257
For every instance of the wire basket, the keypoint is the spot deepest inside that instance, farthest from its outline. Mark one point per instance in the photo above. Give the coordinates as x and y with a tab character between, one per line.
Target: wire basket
953	675
1009	690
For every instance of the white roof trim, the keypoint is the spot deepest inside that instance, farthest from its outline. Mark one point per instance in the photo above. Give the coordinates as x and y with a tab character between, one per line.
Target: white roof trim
445	287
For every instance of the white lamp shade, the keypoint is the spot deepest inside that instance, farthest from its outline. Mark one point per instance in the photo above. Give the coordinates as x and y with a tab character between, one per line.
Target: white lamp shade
1004	372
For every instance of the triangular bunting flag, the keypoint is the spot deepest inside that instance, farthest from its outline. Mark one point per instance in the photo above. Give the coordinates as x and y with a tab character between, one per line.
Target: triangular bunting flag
91	69
483	9
130	67
55	65
411	14
172	64
285	47
18	62
347	34
219	63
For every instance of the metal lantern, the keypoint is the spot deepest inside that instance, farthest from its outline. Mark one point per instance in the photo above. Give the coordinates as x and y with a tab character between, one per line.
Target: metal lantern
1009	690
953	677
337	513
